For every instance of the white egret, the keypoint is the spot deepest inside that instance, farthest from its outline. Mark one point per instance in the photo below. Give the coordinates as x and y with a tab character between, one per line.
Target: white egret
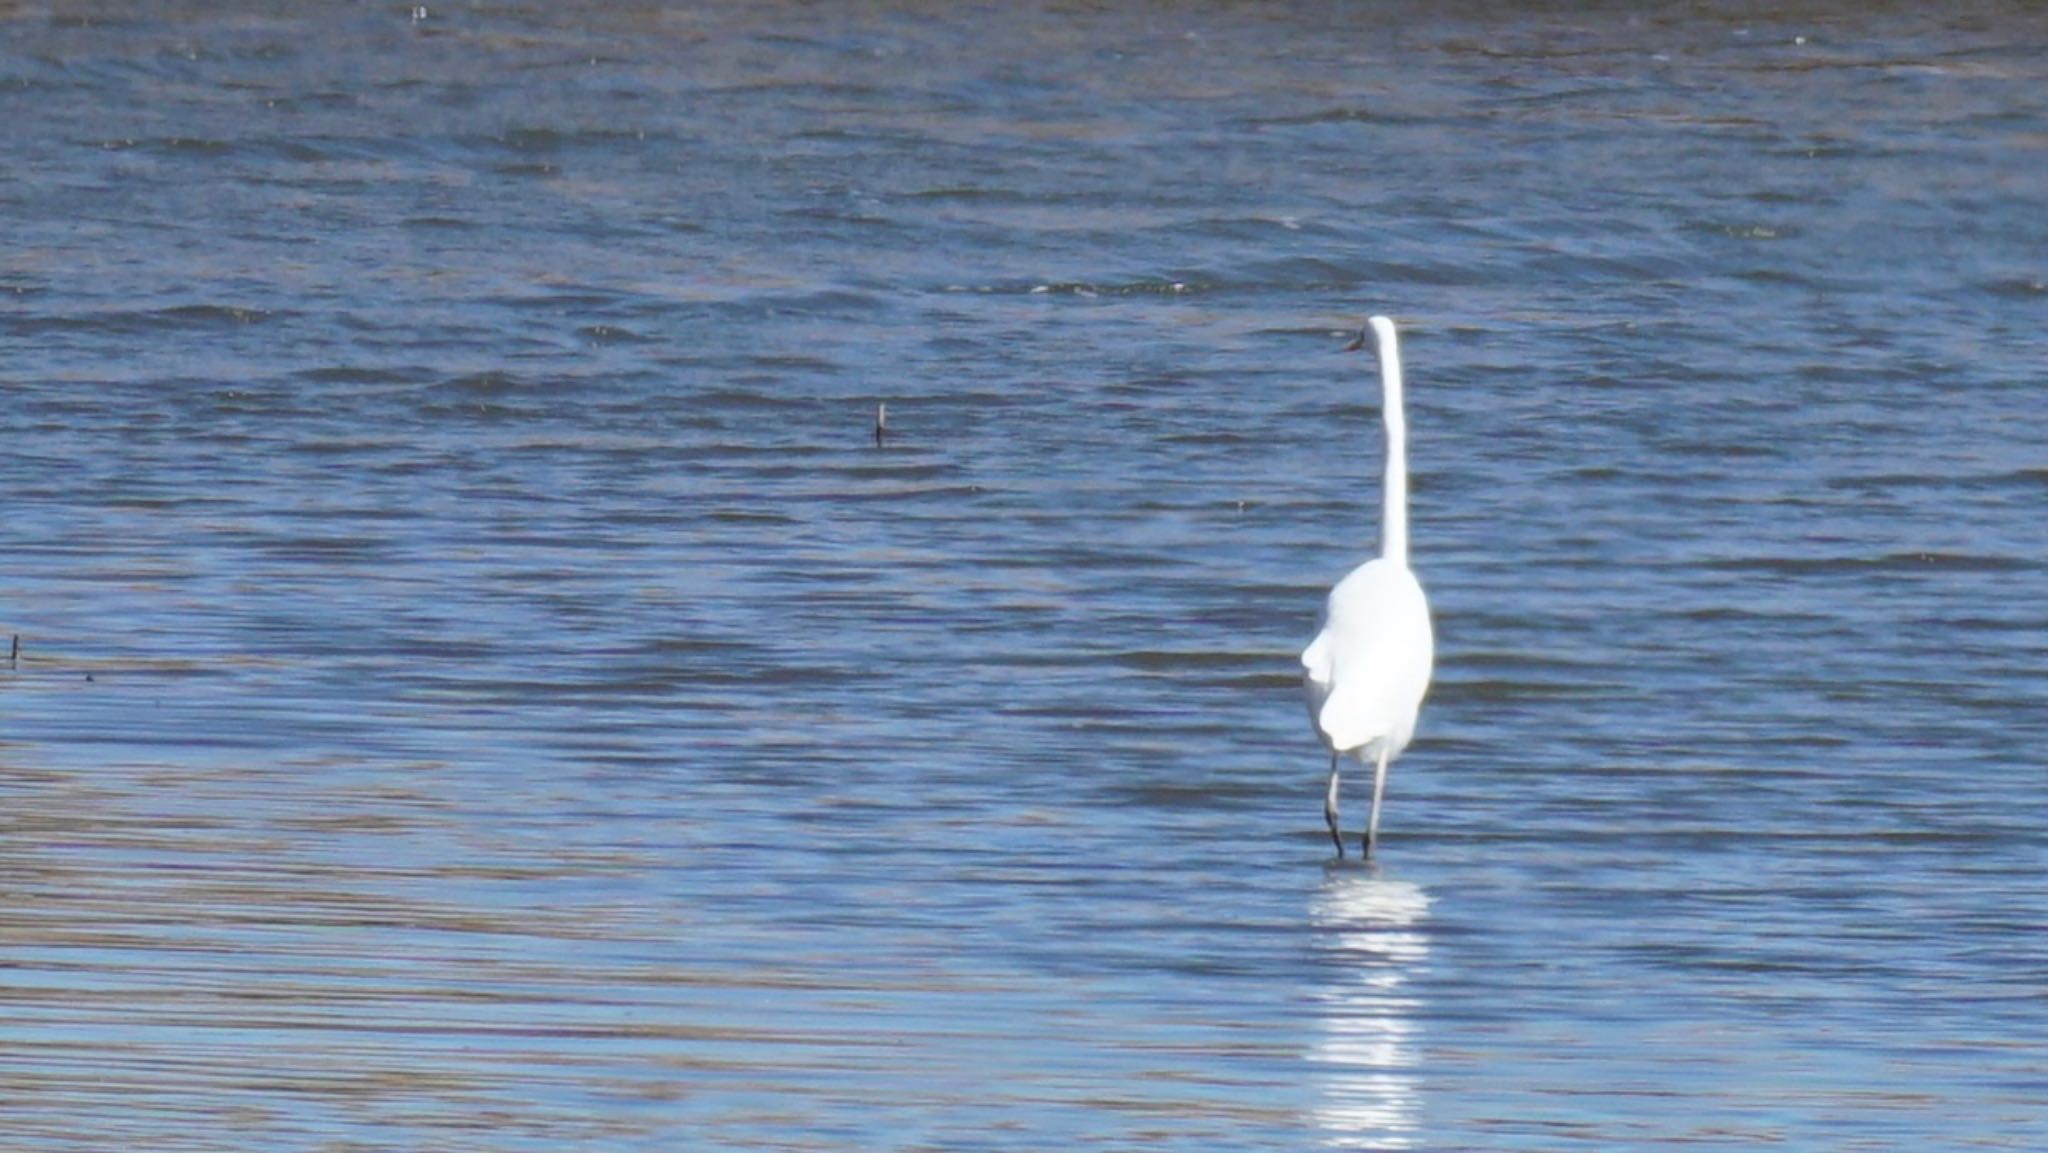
1367	670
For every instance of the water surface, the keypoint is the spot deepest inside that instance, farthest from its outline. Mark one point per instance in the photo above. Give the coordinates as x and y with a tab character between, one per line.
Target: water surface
483	688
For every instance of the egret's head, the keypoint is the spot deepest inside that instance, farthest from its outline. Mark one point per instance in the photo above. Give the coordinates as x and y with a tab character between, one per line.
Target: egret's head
1377	335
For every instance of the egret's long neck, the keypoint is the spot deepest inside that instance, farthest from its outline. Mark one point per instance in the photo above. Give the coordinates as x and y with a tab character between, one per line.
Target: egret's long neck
1394	517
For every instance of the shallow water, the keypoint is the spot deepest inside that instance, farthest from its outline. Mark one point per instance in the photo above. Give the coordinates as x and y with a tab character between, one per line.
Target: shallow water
483	688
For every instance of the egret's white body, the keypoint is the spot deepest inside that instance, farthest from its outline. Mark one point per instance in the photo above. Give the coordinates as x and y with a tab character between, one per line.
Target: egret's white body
1367	670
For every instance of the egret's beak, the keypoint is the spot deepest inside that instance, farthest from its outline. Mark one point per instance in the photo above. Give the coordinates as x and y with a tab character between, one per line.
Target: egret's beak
1362	340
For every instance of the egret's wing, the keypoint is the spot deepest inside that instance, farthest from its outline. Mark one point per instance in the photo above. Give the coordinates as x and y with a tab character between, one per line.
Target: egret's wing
1317	670
1377	650
1358	710
1315	659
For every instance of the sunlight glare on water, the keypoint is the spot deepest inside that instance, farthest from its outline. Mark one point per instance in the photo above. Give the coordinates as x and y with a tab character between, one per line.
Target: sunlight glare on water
1376	939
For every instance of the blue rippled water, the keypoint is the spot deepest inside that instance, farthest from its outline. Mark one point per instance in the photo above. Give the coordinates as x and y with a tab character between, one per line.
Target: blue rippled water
482	686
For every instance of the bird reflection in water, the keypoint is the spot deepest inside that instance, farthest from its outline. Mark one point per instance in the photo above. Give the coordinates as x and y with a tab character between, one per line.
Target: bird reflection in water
1371	932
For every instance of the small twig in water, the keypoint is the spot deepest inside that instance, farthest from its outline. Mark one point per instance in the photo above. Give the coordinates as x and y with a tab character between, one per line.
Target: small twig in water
881	423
